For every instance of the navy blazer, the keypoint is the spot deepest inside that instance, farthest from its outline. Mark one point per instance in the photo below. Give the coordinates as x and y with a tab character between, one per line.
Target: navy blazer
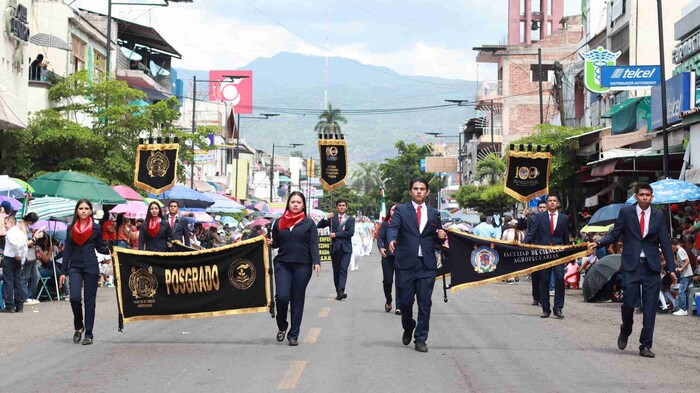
404	230
632	245
298	245
82	256
381	238
540	231
343	233
180	231
158	243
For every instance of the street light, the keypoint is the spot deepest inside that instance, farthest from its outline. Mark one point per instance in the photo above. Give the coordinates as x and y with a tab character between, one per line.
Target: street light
263	116
272	163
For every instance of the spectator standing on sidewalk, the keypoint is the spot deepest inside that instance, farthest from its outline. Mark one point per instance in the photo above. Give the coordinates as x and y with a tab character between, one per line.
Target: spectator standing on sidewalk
685	274
15	254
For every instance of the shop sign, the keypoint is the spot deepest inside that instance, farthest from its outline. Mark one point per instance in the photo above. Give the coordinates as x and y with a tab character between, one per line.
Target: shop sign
593	62
16	23
630	77
687	48
680	97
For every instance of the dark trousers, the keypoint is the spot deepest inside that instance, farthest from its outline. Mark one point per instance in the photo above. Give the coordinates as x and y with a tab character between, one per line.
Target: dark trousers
83	278
641	284
415	283
558	287
388	278
340	261
31	279
535	278
291	280
12	291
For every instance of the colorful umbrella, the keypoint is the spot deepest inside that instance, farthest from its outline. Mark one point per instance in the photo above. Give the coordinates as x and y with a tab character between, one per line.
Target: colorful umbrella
128	193
317	213
16	205
200	216
48	207
258	222
186	197
10	188
606	215
228	220
75	185
223	204
672	191
131	209
24	184
261	207
596	228
55	229
149	200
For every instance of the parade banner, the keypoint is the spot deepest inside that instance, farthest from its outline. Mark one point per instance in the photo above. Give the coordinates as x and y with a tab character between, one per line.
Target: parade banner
156	167
226	280
334	163
527	174
324	248
476	260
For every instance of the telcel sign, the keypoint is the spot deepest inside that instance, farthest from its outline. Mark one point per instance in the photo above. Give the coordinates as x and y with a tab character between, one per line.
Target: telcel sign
680	97
629	77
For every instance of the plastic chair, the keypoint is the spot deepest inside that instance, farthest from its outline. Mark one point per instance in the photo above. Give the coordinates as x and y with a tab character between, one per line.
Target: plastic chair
691	300
44	288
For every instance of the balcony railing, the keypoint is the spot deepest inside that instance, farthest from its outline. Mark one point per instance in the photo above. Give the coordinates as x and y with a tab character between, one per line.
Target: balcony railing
489	89
42	75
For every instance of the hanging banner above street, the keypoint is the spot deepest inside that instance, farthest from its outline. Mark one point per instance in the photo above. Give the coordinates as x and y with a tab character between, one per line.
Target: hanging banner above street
334	163
156	167
527	174
593	62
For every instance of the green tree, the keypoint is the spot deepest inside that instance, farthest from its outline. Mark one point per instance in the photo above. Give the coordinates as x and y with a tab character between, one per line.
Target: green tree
397	172
329	119
485	199
490	168
366	177
327	201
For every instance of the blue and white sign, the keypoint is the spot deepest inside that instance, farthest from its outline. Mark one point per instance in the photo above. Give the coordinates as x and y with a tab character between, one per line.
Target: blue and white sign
629	77
680	97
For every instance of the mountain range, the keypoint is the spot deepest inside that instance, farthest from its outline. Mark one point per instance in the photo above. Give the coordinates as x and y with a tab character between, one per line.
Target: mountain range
293	86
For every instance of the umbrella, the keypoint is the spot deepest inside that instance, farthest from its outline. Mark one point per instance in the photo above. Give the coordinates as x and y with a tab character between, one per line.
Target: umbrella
596	228
75	185
672	191
606	215
128	193
261	207
131	209
186	197
149	200
599	274
317	213
55	229
10	188
47	207
203	186
219	187
16	205
228	220
200	216
49	41
471	218
258	222
24	184
223	204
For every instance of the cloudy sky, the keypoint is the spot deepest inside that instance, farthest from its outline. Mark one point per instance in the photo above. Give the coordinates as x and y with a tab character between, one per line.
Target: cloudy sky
412	37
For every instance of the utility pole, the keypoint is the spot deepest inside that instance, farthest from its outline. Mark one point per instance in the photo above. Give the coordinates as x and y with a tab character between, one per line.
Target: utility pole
539	71
194	130
664	114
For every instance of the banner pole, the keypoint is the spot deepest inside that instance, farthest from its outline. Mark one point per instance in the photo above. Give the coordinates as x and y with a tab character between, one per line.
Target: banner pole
270	271
444	282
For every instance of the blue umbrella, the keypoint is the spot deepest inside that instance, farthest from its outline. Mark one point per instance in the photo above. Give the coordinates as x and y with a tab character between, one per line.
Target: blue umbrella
186	197
606	215
228	220
672	191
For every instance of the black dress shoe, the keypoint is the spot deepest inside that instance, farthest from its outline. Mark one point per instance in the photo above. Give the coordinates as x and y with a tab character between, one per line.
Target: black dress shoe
397	312
387	307
293	342
407	335
19	310
87	341
545	314
7	310
535	303
421	346
646	353
559	314
622	339
343	295
77	335
280	335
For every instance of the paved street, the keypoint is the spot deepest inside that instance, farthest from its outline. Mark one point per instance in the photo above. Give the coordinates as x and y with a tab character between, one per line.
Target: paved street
484	339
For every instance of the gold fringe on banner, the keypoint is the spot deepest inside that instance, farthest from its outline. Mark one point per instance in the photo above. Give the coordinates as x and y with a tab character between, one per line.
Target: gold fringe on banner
527	154
333	142
161	146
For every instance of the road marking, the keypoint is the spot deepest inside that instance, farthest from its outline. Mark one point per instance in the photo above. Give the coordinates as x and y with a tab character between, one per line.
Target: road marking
324	312
291	377
312	336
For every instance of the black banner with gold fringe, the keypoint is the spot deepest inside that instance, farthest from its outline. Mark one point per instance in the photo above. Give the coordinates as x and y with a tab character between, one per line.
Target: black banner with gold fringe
156	167
334	163
476	260
192	284
527	174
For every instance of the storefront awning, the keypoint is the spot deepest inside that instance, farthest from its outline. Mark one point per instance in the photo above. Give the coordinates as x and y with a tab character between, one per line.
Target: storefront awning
593	200
604	169
624	105
153	94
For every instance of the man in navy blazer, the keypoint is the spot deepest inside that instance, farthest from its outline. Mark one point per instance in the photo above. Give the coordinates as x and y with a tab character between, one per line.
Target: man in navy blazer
550	228
178	226
644	231
342	227
414	230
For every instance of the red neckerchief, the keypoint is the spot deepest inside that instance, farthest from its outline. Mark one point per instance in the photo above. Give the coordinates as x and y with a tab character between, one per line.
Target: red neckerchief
289	220
81	235
153	226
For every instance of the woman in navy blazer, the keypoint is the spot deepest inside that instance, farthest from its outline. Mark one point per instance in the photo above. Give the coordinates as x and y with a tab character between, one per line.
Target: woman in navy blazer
296	236
155	232
84	237
387	261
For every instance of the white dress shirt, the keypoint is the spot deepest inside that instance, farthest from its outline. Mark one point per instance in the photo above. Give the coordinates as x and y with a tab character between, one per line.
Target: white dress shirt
16	243
423	221
647	213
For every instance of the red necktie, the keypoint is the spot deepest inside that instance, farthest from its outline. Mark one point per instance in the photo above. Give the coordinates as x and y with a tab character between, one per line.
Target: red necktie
418	216
641	224
172	221
551	222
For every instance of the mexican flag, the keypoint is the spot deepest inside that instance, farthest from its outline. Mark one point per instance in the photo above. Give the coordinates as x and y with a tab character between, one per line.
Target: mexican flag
25	204
382	211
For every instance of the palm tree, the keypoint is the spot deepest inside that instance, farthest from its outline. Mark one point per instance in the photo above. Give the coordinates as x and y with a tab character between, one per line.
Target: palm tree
329	121
490	167
366	177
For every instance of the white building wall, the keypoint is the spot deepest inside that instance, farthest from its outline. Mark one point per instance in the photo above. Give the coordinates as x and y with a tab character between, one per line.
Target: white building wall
14	74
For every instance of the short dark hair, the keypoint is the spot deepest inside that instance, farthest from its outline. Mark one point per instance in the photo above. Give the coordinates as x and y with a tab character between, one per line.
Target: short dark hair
675	242
419	180
340	200
553	196
482	218
31	217
643	186
541	203
175	202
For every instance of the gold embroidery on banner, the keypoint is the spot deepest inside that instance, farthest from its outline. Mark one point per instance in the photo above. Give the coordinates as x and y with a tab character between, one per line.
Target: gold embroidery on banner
142	283
242	274
157	164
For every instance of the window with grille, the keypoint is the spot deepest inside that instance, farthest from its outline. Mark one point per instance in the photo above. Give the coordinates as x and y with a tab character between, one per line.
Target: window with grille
100	66
79	53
